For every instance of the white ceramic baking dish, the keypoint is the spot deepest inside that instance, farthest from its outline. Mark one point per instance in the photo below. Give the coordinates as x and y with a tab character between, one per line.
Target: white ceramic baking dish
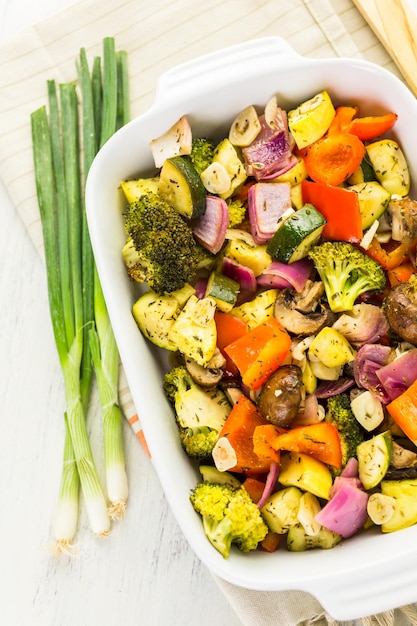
366	574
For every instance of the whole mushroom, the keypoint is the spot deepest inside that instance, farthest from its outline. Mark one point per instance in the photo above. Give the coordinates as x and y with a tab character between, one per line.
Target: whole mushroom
281	395
400	306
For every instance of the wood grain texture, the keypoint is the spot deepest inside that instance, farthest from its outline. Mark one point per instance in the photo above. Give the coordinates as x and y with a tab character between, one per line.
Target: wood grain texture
395	24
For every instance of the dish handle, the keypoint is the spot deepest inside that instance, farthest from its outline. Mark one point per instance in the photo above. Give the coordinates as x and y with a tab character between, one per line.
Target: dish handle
370	589
245	59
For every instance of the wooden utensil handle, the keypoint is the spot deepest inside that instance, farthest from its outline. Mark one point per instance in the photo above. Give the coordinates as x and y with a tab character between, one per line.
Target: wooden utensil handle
395	24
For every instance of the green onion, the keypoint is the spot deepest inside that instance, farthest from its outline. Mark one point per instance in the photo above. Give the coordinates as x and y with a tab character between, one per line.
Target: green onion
81	326
106	366
114	91
66	519
69	352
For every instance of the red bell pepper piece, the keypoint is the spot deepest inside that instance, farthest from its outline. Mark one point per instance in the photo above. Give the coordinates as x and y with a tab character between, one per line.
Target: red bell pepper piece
340	208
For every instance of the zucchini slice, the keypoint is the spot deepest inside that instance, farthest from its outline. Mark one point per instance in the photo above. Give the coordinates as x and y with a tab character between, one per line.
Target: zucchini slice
155	316
363	174
374	457
211	474
299	541
390	166
404	493
223	290
306	473
280	511
226	154
373	200
182	187
133	189
294	238
310	120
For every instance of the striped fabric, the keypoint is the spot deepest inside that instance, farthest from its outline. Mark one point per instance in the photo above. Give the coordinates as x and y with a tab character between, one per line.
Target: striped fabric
157	36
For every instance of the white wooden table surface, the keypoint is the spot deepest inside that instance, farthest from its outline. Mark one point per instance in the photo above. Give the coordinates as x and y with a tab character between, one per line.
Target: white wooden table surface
144	574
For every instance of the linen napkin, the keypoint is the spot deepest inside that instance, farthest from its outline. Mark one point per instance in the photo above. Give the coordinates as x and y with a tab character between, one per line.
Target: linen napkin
156	39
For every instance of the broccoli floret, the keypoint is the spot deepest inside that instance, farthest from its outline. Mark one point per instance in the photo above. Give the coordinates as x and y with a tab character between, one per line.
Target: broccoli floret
229	517
346	273
167	255
237	212
206	260
202	152
200	413
339	413
198	443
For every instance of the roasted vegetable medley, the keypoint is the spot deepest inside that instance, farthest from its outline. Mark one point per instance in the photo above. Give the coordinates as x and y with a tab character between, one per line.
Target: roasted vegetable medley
278	266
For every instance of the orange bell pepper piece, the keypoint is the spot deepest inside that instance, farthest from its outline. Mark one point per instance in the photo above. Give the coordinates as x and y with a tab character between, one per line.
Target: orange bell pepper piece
260	352
271	542
238	429
229	328
254	487
339	207
403	411
390	256
366	128
263	437
321	441
334	157
401	274
342	119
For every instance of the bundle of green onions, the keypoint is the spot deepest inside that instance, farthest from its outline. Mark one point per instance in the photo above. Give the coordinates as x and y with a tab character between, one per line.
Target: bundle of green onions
82	117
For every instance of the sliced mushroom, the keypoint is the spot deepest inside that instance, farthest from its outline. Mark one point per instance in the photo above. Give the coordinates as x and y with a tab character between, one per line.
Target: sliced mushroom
403	216
233	394
401	457
297	323
281	396
308	300
208	376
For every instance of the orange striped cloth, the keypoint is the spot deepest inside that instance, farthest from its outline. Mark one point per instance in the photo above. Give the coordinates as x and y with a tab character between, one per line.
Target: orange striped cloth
129	410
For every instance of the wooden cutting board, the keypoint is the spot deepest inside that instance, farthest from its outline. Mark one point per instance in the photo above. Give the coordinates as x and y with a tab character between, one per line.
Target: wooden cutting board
395	24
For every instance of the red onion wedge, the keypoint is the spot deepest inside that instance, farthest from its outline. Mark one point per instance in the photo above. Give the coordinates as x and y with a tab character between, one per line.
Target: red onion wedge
397	376
242	274
280	275
267	203
271	153
210	229
200	287
365	323
369	359
351	469
346	512
328	388
270	483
